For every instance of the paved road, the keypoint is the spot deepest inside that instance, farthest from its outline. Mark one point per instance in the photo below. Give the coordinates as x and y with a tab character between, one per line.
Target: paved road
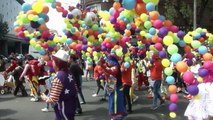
20	108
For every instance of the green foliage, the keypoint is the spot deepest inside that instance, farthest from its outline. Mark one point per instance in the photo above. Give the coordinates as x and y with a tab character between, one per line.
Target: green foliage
4	29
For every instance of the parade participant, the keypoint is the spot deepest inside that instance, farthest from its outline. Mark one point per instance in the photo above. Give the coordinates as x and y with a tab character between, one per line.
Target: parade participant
89	70
156	75
142	78
134	82
16	73
63	90
116	96
77	72
97	73
127	83
31	70
13	64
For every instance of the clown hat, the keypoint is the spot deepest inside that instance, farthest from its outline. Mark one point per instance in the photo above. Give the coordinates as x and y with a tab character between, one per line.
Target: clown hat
62	55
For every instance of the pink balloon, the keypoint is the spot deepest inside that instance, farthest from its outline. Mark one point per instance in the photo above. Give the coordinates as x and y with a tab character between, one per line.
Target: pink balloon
158	24
115	14
49	63
174	29
208	64
158	46
188	77
21	34
173	98
78	46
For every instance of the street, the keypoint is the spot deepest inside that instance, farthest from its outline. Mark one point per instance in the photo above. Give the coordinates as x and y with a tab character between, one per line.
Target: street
20	108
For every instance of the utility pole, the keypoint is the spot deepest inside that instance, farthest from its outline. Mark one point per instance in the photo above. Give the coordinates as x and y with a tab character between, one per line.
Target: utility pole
195	15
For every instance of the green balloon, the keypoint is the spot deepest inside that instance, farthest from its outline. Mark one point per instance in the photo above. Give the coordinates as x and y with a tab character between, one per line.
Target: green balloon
195	44
95	27
127	59
146	1
147	24
172	49
168	71
37	47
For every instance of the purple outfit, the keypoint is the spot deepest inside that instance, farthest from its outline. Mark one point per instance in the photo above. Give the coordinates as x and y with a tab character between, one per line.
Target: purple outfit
65	107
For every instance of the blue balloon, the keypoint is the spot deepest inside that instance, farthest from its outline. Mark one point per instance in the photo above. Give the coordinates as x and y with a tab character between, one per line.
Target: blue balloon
202	50
197	36
129	4
111	11
41	21
128	26
150	6
181	43
69	41
170	80
126	65
42	52
152	31
26	7
176	57
162	18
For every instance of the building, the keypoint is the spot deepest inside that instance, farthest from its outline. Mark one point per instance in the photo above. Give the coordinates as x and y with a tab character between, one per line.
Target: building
98	4
11	43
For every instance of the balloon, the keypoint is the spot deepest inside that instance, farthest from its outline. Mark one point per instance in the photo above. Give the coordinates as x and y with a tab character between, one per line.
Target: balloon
126	64
168	71
170	80
147	24
26	7
188	77
172	115
140	8
192	90
202	72
162	54
181	43
150	6
202	50
158	24
173	98
207	57
195	44
158	46
167	40
154	16
165	62
172	89
129	4
181	66
188	39
116	5
207	64
176	57
172	49
173	108
37	7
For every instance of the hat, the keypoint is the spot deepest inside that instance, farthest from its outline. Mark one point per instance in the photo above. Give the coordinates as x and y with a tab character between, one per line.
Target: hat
112	60
62	55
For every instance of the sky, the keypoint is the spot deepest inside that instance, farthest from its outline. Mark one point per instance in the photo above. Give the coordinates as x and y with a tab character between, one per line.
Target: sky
56	21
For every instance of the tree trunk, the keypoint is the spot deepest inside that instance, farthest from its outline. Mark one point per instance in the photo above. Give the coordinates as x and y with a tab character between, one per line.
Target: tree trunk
202	10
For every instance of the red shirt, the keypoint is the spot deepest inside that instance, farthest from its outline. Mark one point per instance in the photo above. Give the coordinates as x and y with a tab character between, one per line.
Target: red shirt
156	70
126	75
97	71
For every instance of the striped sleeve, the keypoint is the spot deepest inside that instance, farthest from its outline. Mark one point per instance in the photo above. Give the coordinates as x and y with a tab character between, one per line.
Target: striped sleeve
55	91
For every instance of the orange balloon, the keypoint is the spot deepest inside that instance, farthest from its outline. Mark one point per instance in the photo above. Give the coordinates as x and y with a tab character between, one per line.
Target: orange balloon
128	33
181	66
167	23
108	40
59	9
73	45
17	29
153	15
43	27
207	57
77	33
140	8
187	48
45	9
201	39
90	32
116	5
58	4
155	39
46	58
172	89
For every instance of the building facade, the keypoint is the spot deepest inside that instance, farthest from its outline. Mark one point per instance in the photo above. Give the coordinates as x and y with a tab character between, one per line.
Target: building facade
11	43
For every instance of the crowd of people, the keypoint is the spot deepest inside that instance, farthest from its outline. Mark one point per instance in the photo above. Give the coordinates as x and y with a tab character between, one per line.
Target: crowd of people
62	82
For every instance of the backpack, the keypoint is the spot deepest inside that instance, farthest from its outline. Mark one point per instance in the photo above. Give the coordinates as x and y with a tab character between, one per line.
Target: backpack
34	67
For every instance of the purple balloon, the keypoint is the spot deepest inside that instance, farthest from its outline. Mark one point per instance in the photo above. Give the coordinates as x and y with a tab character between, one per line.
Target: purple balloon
137	30
203	34
70	16
50	48
84	47
173	107
113	20
162	32
68	34
193	90
203	72
189	62
26	39
180	34
103	48
162	54
51	37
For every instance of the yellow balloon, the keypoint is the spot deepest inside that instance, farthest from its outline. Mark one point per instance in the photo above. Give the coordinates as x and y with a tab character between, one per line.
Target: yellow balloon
37	7
168	40
200	79
172	115
165	62
196	97
143	17
155	1
187	39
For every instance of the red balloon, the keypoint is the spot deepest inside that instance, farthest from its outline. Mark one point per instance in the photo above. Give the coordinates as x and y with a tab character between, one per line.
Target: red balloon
140	8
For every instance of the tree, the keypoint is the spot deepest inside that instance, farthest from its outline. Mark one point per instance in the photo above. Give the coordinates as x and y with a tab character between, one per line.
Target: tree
4	29
180	12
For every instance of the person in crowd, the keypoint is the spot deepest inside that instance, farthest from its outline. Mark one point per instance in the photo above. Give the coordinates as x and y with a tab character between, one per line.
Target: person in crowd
97	74
116	106
63	91
31	71
2	64
156	75
77	72
16	73
142	78
43	76
127	83
89	70
134	82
